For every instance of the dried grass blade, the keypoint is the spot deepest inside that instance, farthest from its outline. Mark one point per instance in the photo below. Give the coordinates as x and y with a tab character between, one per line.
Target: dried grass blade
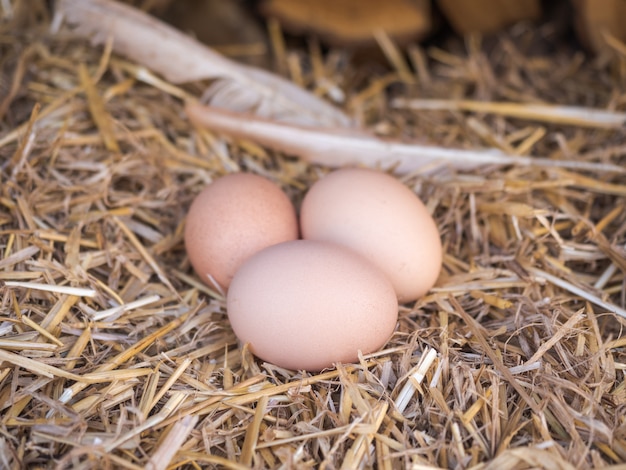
252	432
180	370
500	367
254	392
24	147
20	275
354	456
114	312
416	376
147	424
180	58
488	136
570	115
97	110
394	56
67	290
342	147
38	367
78	347
593	184
356	428
149	391
26	128
562	331
113	375
19	256
171	444
568	286
616	254
144	253
17	345
214	460
58	312
472	411
18	75
526	367
42	331
529	457
122	357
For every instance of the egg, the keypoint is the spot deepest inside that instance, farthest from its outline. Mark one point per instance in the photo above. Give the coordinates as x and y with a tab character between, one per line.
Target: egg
306	305
376	215
231	219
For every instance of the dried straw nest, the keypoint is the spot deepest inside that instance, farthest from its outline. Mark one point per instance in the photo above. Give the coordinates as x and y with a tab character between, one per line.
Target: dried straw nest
114	355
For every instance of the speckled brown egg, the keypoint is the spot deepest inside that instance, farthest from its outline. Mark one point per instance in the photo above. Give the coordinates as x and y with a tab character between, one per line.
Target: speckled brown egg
376	215
233	218
308	305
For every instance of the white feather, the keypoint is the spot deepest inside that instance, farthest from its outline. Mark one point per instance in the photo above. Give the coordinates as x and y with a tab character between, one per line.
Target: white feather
180	58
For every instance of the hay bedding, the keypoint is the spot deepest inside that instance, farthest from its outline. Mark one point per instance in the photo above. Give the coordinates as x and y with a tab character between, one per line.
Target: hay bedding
114	355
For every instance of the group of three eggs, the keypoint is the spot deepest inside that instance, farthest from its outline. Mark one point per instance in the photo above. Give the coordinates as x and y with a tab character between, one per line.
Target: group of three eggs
310	291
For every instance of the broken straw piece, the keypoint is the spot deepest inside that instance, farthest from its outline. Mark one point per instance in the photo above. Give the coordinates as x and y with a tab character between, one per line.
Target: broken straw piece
114	313
77	291
557	114
416	376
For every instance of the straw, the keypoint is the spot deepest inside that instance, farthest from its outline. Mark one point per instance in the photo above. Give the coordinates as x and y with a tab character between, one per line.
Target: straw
114	353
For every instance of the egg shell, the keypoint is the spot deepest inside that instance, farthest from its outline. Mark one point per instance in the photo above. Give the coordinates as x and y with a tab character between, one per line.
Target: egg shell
233	218
376	215
305	305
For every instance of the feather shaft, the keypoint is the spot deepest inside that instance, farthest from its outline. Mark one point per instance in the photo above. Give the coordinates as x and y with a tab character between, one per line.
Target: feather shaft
342	147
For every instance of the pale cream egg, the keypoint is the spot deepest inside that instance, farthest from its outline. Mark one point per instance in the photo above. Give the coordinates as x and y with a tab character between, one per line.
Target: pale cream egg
308	305
377	216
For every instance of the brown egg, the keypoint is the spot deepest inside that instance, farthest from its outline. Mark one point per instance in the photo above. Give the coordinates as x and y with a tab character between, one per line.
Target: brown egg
233	218
377	216
307	305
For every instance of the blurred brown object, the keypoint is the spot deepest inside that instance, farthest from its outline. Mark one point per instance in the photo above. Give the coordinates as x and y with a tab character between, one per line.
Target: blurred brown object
487	16
215	22
352	22
600	21
227	26
150	6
